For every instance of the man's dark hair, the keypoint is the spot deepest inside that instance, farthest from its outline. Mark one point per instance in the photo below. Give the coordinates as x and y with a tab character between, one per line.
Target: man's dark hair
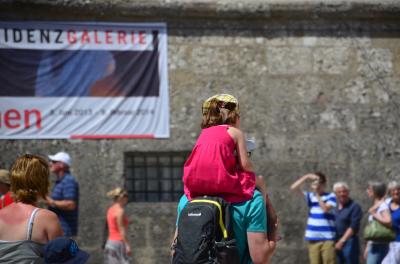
322	177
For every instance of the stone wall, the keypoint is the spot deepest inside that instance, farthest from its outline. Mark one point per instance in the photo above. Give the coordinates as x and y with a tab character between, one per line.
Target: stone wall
318	83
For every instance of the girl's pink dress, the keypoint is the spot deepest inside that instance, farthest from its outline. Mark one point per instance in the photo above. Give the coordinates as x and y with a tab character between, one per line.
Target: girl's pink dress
212	168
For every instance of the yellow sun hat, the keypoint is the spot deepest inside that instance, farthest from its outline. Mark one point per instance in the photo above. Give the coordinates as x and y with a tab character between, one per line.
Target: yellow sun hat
225	99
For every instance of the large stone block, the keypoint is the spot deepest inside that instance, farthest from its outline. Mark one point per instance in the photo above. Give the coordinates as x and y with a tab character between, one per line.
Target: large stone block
332	60
289	61
375	63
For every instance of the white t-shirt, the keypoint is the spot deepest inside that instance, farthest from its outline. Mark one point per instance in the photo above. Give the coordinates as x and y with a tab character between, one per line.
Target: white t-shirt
382	207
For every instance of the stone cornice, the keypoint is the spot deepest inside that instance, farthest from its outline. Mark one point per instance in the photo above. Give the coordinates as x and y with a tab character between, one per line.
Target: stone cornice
199	9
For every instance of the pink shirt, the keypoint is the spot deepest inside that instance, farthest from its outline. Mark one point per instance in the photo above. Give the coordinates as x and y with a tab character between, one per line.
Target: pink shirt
212	168
113	230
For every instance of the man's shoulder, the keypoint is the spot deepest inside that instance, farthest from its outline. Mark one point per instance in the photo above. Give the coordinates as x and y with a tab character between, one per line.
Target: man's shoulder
257	198
182	202
354	204
256	203
183	199
69	178
68	184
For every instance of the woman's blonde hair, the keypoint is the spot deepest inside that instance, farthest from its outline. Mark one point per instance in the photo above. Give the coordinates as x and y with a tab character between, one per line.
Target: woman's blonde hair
117	193
30	178
219	113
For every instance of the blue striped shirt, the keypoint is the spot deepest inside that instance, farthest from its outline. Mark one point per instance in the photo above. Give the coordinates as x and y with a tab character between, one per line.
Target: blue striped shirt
67	188
320	225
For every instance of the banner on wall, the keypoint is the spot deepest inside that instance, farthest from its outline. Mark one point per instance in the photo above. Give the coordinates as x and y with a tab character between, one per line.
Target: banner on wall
83	80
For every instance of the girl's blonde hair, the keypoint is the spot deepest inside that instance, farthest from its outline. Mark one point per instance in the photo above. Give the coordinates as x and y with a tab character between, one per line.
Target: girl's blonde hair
219	112
117	193
30	178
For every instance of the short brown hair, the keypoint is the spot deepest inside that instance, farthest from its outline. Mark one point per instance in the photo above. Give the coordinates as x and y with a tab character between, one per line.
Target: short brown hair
321	176
217	115
30	178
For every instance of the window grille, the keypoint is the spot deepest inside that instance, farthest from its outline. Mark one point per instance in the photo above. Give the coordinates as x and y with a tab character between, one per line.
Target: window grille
154	176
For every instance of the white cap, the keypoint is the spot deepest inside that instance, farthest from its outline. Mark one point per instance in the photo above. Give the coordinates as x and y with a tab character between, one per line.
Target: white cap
61	156
251	144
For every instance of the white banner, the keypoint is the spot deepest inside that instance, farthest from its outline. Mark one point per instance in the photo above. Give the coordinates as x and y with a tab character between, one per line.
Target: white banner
83	80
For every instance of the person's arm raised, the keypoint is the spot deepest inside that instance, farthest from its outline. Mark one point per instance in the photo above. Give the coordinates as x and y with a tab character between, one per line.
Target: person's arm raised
295	187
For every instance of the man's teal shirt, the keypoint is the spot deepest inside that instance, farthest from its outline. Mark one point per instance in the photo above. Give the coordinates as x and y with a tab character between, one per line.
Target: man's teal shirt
249	216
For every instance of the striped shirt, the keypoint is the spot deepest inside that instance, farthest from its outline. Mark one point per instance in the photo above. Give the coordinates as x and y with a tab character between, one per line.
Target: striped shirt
67	188
320	225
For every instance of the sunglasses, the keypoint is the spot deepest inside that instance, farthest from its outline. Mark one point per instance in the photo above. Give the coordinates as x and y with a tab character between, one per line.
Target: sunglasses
315	182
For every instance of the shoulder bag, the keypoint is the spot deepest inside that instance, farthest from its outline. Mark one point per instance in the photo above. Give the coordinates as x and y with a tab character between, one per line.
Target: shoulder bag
377	232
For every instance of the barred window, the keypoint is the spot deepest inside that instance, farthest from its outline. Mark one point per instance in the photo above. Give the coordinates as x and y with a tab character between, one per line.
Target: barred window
154	176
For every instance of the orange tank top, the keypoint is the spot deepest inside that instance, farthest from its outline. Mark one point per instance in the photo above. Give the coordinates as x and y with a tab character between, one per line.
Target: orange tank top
114	233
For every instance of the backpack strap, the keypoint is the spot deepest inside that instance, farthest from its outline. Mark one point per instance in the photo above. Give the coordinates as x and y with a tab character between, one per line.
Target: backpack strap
30	224
221	222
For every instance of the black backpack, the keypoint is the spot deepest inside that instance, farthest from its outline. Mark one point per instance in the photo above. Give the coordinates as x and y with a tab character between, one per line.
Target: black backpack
205	233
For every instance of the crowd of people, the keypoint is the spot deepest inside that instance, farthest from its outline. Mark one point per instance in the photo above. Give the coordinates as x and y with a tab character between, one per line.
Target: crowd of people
32	234
28	233
333	225
219	165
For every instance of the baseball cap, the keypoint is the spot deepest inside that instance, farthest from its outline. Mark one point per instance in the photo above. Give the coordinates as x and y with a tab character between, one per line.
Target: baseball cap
5	176
226	98
61	156
64	250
